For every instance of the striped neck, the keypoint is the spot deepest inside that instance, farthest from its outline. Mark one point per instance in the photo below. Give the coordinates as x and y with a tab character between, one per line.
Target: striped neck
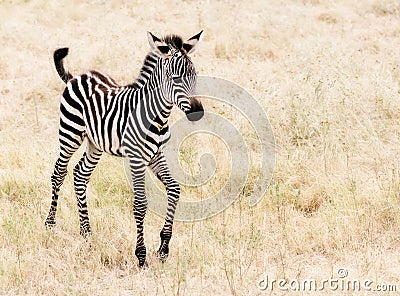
150	92
149	64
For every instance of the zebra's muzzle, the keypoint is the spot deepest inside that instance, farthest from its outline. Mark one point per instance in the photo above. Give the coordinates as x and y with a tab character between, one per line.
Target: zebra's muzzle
196	111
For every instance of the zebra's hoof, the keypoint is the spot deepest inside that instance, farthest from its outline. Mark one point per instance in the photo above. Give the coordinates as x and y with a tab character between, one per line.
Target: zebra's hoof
162	256
49	223
163	251
85	232
140	253
143	265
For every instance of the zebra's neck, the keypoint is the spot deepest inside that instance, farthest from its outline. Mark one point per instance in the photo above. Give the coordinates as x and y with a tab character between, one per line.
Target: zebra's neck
149	64
151	78
150	98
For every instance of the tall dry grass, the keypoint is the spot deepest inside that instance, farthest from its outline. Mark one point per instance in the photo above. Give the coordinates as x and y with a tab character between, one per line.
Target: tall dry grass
326	73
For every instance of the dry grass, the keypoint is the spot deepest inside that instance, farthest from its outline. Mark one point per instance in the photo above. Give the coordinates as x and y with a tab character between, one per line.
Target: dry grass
326	72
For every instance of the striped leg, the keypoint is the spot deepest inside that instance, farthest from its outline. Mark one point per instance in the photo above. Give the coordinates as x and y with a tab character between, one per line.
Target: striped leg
70	141
57	179
160	169
82	173
139	206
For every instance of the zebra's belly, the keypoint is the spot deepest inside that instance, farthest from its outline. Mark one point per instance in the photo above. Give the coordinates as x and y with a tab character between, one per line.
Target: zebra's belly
147	146
106	138
111	137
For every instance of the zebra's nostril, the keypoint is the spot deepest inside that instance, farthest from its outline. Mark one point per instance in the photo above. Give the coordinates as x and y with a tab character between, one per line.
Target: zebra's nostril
195	116
196	111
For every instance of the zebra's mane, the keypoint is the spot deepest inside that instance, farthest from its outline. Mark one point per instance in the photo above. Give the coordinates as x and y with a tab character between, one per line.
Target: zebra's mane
149	64
151	59
174	41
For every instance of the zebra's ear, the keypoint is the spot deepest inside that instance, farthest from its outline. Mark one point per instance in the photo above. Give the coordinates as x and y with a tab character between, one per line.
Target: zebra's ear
193	42
157	46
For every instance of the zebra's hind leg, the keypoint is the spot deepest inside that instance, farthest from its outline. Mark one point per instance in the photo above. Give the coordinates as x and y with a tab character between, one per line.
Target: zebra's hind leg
160	169
58	176
82	173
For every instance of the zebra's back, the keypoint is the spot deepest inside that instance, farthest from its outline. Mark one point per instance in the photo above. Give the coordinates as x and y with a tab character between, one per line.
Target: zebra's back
94	105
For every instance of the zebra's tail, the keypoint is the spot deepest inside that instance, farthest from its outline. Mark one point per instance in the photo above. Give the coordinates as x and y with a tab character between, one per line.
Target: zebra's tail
59	55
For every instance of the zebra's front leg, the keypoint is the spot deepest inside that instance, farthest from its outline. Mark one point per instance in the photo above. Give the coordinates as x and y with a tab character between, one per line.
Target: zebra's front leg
173	191
139	208
82	172
160	169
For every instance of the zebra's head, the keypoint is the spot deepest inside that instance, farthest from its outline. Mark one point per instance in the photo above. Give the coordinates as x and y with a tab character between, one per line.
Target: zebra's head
179	84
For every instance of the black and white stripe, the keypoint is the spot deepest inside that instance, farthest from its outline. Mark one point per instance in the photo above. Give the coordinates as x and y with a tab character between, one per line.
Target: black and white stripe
128	121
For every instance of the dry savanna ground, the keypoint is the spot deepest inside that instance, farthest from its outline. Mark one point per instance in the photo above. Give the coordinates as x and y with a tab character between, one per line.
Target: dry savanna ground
326	72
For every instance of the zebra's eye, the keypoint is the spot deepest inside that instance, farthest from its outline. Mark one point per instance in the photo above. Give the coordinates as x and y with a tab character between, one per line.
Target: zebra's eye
177	79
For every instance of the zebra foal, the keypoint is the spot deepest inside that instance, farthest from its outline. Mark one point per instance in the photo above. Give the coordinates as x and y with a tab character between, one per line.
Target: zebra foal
127	121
